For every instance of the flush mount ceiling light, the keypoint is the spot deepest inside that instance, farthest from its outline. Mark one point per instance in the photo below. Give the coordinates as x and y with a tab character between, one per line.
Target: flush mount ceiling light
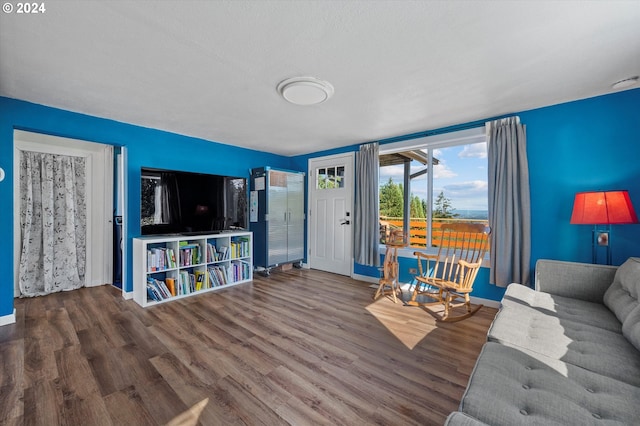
305	90
627	82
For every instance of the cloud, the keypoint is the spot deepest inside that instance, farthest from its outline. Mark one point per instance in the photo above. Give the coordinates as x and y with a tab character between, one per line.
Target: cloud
466	189
392	171
477	150
441	171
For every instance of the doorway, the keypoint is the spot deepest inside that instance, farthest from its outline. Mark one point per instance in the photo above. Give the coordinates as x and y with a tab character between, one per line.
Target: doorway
99	199
330	221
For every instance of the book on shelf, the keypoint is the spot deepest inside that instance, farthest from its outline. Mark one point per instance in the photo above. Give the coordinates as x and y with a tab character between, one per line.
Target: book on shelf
171	284
200	280
157	290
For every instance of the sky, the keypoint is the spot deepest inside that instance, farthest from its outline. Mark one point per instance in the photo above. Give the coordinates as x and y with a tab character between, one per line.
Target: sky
461	175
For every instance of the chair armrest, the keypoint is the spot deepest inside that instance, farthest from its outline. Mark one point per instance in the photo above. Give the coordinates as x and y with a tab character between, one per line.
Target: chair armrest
420	254
584	281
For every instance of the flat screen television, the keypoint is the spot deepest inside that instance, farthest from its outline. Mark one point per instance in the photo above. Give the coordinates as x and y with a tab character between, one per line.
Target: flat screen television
191	203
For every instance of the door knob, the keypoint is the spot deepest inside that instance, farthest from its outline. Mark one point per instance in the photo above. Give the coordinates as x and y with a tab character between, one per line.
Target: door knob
345	222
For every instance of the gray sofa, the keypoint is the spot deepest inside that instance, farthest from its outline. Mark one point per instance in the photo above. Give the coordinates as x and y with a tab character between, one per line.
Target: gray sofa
566	353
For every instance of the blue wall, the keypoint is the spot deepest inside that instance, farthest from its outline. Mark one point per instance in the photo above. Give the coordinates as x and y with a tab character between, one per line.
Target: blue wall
145	147
577	146
592	144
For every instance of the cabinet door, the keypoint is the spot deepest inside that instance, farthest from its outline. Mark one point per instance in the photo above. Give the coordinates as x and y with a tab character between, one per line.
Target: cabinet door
295	216
277	220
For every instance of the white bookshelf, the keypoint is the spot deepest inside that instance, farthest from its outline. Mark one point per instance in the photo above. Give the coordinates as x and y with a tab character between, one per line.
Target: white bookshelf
189	265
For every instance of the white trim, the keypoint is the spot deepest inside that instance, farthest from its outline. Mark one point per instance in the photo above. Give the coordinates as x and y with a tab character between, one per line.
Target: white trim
365	278
124	156
486	302
127	295
8	319
461	137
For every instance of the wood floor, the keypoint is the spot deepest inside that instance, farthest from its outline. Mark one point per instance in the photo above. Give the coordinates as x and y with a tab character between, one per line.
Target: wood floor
300	347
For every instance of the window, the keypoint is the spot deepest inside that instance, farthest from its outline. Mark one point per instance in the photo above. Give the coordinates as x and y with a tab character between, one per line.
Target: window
330	177
427	182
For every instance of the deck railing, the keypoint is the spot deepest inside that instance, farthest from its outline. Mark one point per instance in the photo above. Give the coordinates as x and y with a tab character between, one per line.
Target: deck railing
418	228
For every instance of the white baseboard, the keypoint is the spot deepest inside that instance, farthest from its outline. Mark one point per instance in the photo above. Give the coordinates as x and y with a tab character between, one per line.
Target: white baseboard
127	295
8	319
486	302
476	300
365	278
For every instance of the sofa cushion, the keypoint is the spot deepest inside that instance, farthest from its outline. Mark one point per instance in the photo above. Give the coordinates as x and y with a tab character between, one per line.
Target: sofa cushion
622	296
631	328
601	351
595	314
509	387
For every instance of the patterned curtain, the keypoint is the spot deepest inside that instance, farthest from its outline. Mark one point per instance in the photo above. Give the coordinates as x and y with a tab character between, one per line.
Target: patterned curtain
53	220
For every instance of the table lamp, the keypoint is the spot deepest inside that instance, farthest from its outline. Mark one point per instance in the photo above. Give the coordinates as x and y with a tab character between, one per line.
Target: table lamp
603	208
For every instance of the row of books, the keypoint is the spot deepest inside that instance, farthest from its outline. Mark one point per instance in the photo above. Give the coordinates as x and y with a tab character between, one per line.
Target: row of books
239	271
187	283
163	258
218	276
215	254
157	290
189	254
240	248
160	258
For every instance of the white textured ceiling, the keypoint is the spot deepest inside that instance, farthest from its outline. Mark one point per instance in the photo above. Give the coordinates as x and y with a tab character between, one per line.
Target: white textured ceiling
210	68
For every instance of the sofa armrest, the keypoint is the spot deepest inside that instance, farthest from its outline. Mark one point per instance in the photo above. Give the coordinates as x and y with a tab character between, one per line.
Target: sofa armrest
584	281
458	418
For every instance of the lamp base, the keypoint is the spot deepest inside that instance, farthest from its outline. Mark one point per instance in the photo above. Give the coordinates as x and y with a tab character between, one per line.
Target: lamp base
601	238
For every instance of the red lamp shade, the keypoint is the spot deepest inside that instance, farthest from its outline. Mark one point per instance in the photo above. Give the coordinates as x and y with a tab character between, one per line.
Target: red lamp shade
603	208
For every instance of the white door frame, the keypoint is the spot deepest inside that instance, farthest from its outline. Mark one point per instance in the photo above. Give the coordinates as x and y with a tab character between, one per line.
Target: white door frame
122	194
99	267
311	181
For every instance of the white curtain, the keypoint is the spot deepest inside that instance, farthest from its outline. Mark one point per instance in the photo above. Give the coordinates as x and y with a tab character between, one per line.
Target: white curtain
366	217
509	202
53	222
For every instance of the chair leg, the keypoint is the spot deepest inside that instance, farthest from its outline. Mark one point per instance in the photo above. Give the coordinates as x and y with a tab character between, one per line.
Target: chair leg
447	304
387	287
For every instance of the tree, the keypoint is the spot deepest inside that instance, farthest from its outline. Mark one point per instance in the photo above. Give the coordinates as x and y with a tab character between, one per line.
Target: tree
417	207
391	199
442	207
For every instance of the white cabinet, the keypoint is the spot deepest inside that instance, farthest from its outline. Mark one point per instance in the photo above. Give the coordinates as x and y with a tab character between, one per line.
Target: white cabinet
167	268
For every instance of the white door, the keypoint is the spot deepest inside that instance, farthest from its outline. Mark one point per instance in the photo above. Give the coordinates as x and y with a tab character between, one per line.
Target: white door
331	213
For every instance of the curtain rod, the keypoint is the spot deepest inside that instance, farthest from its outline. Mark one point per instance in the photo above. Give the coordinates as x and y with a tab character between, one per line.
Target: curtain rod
442	130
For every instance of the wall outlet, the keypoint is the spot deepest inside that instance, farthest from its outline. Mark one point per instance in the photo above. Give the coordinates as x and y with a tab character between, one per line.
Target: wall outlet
413	271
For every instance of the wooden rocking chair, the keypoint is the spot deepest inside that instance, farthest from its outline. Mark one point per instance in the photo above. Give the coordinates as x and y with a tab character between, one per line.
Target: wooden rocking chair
449	275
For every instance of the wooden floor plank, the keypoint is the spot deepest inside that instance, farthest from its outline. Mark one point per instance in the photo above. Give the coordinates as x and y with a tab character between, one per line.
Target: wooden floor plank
297	347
